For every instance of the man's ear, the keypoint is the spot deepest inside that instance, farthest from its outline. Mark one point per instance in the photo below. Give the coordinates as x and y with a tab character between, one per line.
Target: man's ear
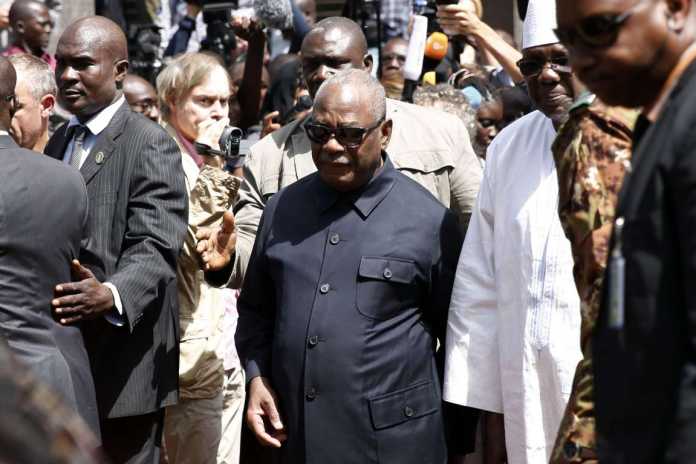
19	27
386	132
48	103
678	12
120	71
367	61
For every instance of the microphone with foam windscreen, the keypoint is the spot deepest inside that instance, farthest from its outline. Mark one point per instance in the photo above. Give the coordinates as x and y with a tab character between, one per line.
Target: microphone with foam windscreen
274	13
435	50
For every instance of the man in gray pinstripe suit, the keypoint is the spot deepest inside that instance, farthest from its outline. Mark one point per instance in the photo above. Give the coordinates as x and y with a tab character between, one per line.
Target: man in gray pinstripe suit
137	222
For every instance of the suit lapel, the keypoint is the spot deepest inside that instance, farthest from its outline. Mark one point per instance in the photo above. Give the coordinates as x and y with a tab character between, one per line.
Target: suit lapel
104	145
58	143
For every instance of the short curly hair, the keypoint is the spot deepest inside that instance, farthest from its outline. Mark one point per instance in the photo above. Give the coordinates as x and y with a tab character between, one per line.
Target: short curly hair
450	100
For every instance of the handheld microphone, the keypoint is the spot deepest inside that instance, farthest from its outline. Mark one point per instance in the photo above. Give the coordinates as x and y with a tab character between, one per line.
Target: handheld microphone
414	57
435	50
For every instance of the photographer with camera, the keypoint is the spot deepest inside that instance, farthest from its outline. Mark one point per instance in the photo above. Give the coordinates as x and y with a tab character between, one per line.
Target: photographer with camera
194	91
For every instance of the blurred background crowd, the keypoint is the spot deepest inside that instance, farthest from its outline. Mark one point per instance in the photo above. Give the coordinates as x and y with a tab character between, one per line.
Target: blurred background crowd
469	66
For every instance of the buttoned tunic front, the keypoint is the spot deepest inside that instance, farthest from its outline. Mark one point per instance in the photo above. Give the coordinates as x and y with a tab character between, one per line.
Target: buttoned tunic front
342	303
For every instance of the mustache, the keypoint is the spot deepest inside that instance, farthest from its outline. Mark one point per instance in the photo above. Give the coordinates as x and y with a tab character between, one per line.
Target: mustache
331	159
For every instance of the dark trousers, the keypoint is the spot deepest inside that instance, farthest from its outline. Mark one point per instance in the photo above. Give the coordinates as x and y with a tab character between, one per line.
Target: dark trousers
133	440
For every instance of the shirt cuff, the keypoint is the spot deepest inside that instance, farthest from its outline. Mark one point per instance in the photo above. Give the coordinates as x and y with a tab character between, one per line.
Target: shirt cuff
115	316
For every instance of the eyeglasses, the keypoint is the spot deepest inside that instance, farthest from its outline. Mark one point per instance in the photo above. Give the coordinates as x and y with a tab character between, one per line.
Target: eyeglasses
349	137
597	31
531	68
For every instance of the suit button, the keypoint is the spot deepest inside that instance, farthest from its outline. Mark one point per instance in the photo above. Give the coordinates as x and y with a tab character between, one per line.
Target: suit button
325	288
312	341
408	411
311	394
387	273
335	238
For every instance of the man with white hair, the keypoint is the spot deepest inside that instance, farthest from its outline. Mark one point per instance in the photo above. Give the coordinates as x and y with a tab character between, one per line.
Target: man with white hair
512	340
345	296
35	98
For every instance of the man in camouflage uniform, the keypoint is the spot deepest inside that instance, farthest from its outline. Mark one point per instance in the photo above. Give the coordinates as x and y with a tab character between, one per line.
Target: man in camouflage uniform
592	154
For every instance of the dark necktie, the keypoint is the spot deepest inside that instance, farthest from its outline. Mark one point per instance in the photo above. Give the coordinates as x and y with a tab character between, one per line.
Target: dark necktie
78	140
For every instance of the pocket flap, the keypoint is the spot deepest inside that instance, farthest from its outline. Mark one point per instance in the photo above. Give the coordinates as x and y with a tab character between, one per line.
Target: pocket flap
403	405
387	269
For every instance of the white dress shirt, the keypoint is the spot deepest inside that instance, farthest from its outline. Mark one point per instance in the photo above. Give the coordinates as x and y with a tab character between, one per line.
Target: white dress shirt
95	126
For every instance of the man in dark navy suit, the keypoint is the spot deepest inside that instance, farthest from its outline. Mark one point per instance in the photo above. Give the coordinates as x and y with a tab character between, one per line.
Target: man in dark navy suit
347	289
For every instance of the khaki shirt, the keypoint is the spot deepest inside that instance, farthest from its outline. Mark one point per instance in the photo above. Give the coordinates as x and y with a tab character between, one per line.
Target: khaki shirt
429	146
212	191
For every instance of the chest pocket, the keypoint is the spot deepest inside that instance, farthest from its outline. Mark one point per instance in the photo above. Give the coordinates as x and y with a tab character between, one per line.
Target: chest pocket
386	286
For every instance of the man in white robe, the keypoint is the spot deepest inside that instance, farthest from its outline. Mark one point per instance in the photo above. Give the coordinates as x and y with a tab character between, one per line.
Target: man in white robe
514	323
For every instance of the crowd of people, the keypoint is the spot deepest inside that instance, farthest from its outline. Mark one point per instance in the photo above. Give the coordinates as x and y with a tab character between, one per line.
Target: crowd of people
285	254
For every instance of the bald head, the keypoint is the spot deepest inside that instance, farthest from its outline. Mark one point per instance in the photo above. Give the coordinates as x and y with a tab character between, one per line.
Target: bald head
8	77
141	96
99	33
31	24
334	44
92	62
339	28
354	87
8	80
24	9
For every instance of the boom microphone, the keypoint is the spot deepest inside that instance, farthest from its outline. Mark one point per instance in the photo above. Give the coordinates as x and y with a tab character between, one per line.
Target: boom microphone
274	13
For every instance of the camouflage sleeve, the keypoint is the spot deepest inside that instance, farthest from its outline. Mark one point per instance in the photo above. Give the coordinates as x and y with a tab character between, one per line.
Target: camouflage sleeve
592	154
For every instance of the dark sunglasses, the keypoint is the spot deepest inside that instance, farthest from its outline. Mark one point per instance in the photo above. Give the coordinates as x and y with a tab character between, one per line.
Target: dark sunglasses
349	137
531	68
597	31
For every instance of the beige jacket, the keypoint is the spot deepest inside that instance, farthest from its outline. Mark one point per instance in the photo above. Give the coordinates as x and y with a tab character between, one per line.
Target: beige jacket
430	146
212	191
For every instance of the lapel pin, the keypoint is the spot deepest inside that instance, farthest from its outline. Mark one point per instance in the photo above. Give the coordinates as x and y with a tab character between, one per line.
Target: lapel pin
99	158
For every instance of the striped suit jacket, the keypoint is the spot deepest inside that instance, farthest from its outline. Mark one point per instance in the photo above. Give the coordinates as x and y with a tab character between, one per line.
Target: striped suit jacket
136	226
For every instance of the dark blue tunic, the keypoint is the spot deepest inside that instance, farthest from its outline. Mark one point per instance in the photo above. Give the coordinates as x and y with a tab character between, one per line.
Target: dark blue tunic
343	299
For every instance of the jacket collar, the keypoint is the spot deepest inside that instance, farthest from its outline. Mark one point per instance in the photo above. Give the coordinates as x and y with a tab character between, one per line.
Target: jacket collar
365	199
7	142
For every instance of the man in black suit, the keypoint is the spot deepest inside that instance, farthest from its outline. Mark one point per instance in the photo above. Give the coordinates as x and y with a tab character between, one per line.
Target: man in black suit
137	221
43	214
642	54
345	296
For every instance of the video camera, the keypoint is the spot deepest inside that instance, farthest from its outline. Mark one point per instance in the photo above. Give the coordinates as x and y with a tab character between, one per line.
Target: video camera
220	38
230	142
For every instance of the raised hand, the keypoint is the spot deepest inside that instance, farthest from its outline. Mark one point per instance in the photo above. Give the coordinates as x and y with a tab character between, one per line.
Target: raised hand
216	245
86	298
269	125
262	414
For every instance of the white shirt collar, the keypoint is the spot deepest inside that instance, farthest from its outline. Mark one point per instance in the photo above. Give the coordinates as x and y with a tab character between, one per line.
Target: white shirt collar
99	121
